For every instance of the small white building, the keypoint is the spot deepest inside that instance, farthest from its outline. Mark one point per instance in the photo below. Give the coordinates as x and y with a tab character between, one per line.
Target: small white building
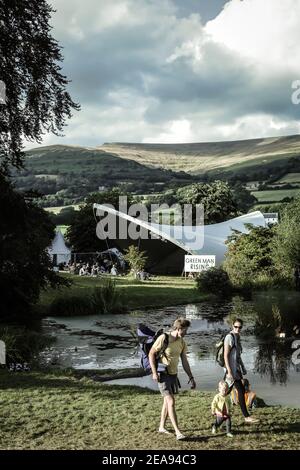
58	251
271	218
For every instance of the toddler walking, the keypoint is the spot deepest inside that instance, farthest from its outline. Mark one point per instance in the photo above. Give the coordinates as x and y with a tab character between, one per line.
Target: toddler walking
221	408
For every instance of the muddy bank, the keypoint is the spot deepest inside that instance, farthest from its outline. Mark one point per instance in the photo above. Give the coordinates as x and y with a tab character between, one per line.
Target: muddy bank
109	374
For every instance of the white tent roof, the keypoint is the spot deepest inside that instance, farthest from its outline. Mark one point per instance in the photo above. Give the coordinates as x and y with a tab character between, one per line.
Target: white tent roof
58	246
203	239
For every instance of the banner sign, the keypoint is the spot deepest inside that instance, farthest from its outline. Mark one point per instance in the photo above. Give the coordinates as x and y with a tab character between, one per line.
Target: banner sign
196	264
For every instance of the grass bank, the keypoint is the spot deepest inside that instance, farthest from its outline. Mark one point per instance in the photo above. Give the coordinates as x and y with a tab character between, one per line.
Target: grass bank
162	291
274	195
58	411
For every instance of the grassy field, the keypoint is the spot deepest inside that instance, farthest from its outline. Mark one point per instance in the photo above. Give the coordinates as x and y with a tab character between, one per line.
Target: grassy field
62	228
275	195
275	207
58	411
207	156
162	291
57	210
290	178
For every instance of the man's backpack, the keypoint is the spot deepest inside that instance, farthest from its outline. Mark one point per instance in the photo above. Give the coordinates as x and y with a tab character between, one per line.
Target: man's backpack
220	349
146	339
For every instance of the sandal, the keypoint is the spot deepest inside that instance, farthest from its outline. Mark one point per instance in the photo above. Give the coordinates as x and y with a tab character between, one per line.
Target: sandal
164	431
251	420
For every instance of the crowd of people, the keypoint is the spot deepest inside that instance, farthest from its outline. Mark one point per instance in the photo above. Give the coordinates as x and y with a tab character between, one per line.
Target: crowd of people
94	268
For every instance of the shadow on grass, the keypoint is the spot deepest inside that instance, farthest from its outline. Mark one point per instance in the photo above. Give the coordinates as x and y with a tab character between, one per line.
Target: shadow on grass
291	428
69	385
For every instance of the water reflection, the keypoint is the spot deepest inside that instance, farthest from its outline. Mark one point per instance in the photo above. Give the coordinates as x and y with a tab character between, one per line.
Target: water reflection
271	325
274	360
276	319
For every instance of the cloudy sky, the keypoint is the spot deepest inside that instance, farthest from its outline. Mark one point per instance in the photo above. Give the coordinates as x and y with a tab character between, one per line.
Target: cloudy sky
179	70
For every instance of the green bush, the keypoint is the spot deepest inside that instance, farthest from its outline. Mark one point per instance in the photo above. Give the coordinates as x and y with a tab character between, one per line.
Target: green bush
214	281
268	322
266	280
71	305
23	345
106	298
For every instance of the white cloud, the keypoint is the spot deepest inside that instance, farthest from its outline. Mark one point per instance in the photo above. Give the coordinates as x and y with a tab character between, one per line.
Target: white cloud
175	132
143	74
265	32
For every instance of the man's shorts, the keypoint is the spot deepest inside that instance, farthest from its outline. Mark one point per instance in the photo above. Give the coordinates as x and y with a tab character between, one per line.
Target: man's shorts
168	384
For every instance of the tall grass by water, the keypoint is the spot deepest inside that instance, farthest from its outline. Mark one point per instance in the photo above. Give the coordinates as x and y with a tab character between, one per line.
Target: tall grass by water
101	299
90	295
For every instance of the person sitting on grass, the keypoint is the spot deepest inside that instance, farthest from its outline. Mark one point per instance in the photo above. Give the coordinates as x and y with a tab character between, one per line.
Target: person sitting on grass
82	271
221	408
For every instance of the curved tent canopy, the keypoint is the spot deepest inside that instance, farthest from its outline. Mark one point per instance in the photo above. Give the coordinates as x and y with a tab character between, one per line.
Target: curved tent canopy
206	239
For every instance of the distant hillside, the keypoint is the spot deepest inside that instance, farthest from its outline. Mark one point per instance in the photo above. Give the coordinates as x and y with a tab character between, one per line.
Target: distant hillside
67	173
199	158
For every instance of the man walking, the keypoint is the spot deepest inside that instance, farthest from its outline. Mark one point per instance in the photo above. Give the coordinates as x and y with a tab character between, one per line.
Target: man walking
168	381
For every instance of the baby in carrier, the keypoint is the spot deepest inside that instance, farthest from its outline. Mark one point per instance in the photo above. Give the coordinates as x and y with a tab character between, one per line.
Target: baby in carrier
250	396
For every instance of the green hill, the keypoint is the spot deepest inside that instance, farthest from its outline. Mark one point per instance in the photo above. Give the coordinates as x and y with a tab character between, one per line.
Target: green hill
66	174
198	158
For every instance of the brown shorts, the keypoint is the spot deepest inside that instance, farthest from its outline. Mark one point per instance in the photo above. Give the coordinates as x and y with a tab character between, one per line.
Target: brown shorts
168	384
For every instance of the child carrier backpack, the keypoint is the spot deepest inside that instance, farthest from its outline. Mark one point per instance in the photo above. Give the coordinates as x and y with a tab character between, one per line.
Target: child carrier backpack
220	349
146	338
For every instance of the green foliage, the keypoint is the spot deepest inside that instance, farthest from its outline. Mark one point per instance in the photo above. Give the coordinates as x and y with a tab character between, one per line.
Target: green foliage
107	298
214	281
37	100
71	305
249	255
23	345
268	322
160	292
243	198
82	232
25	267
217	198
103	299
276	207
66	175
136	259
240	309
286	244
65	216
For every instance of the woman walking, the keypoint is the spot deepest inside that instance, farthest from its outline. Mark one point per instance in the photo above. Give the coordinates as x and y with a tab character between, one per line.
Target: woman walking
235	368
